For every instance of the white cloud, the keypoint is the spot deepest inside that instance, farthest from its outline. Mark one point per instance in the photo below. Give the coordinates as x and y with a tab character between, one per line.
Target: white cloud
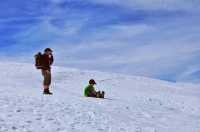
153	50
154	4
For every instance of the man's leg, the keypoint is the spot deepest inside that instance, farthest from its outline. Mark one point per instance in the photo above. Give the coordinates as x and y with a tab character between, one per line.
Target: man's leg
46	89
47	81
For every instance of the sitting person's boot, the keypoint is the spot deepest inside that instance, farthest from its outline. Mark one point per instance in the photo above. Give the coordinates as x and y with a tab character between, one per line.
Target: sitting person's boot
102	94
98	95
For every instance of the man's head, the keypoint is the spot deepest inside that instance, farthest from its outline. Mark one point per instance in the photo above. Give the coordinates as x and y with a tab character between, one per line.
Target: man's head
48	51
92	82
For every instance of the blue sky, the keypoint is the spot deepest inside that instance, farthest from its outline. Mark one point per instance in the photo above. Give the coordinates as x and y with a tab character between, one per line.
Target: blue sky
153	38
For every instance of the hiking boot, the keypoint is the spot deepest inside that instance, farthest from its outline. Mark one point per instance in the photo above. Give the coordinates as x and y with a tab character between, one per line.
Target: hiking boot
98	94
102	94
47	92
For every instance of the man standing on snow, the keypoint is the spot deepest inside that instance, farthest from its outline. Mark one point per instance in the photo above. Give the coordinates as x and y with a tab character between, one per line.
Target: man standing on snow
47	61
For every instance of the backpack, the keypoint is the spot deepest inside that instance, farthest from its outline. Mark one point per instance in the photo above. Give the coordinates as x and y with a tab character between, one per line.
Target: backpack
38	60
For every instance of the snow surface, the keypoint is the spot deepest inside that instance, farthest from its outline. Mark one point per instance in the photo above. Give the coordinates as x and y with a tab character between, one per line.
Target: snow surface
133	104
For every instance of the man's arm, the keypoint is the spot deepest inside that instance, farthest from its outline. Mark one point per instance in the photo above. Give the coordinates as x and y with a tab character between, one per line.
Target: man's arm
51	60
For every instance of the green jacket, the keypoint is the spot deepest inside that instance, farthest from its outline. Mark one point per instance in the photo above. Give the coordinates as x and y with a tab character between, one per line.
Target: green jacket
89	89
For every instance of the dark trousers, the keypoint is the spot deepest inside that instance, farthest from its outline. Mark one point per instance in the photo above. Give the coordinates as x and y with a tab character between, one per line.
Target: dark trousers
98	94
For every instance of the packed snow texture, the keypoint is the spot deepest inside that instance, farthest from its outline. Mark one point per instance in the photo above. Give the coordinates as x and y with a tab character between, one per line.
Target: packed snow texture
132	104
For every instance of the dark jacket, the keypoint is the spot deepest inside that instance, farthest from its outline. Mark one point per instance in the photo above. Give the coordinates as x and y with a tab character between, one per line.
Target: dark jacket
47	61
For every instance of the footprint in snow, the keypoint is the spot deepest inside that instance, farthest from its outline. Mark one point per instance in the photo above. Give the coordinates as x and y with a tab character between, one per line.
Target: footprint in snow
138	129
50	119
38	119
29	122
9	115
14	128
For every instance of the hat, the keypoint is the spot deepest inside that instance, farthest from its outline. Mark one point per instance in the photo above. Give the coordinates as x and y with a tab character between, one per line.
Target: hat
48	49
92	81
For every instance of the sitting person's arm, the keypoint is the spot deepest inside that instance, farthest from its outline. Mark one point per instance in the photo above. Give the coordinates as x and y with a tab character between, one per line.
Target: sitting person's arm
89	91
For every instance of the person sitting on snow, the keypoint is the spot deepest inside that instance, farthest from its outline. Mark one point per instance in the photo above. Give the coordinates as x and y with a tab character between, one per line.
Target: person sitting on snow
91	92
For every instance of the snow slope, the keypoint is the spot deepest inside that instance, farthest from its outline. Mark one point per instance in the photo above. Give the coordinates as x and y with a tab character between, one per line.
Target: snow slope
133	104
